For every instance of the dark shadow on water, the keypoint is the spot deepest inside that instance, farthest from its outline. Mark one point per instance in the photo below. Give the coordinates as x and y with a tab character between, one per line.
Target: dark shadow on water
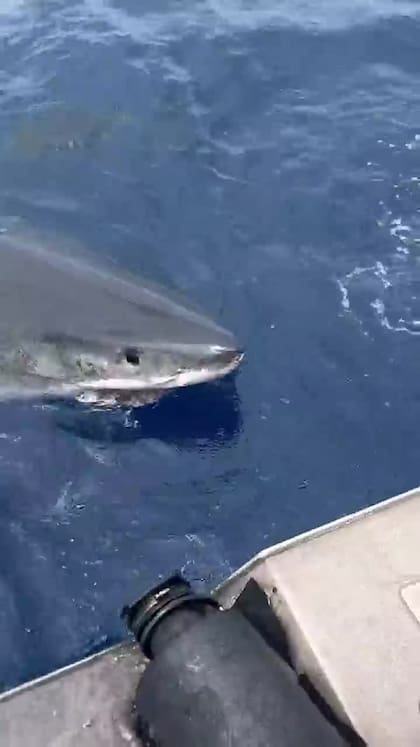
204	415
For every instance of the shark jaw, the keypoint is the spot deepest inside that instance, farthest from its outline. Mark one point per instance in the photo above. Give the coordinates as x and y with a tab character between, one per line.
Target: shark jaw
126	392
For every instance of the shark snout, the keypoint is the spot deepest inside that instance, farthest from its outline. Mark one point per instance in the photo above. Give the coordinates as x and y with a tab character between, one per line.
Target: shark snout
215	365
227	357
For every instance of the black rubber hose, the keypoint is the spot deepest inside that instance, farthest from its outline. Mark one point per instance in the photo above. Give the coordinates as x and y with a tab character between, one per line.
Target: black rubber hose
214	681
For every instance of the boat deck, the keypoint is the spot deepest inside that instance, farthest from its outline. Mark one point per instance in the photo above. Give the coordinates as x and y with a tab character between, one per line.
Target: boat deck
348	595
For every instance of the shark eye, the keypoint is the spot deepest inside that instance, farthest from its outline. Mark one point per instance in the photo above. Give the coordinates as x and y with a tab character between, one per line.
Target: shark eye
132	356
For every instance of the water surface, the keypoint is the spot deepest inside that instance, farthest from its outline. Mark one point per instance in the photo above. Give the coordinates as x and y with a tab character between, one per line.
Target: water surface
263	158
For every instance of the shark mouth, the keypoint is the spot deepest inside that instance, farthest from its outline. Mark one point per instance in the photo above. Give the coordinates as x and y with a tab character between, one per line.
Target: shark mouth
137	393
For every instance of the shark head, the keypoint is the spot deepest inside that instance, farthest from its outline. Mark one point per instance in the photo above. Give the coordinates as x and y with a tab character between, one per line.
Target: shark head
79	330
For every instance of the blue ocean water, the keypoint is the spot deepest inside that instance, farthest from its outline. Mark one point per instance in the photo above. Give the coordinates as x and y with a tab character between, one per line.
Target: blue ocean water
263	158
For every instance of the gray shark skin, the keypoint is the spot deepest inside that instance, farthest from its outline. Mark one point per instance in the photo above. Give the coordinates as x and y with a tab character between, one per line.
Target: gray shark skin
72	328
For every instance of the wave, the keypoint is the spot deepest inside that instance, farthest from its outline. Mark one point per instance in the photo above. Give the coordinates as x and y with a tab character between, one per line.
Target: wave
217	17
388	289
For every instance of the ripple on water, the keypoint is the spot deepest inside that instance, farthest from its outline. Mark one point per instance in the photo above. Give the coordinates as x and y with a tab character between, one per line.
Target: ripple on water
386	291
167	20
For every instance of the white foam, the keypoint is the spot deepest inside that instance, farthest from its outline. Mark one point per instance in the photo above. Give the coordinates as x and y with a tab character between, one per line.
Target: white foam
379	307
389	307
224	177
398	227
345	302
387	286
414	143
381	272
